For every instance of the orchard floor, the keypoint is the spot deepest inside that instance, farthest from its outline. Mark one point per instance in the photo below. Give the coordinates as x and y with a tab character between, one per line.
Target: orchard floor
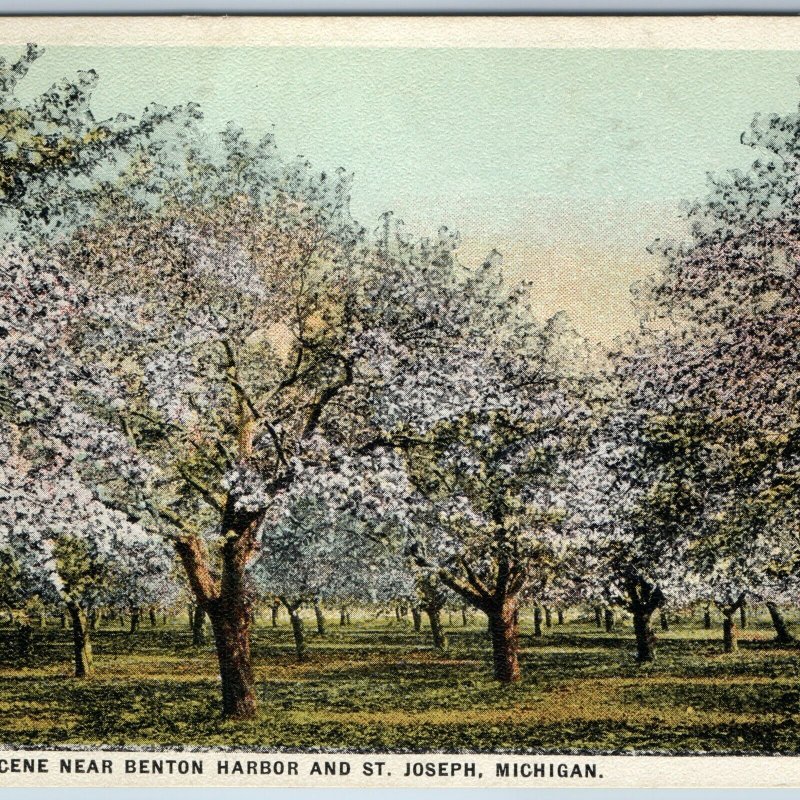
378	686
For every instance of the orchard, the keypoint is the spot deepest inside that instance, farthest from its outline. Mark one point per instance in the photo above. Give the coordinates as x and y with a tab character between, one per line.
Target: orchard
371	468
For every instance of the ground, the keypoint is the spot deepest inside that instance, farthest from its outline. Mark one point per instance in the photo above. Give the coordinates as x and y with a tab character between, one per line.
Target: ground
379	686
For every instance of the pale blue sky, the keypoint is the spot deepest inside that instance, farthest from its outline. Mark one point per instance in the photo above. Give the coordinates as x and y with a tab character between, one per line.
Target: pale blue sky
570	161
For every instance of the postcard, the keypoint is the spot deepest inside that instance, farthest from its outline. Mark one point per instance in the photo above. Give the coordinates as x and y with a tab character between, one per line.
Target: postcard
400	401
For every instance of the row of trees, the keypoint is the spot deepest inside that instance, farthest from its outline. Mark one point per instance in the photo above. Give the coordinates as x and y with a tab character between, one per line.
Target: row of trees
202	349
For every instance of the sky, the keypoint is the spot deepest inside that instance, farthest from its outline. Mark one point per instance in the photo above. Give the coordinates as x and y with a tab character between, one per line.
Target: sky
570	162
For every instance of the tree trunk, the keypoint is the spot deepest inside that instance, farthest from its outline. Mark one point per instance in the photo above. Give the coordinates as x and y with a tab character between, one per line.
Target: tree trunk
598	617
276	607
707	618
342	616
743	615
548	617
504	631
320	618
226	600
135	613
298	630
417	617
198	627
464	620
397	613
664	621
347	616
63	620
435	617
560	616
645	639
729	643
153	618
608	618
231	625
191	616
81	642
783	636
164	619
537	621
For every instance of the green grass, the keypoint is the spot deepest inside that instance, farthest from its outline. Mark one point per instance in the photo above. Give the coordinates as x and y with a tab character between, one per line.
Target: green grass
379	686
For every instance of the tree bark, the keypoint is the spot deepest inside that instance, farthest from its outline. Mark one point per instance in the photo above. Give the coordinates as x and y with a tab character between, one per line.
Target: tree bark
743	615
82	646
645	639
320	618
435	617
276	607
548	617
560	616
342	616
464	620
191	615
504	631
537	621
664	621
298	631
135	612
231	625
608	619
729	643
707	618
598	617
417	617
198	627
153	618
783	636
347	616
228	603
63	620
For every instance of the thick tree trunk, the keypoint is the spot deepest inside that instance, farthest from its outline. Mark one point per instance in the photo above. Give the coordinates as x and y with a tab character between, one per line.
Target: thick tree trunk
198	627
276	607
537	621
783	636
417	617
608	618
437	633
231	626
298	631
560	616
743	616
320	618
134	620
548	617
347	616
729	643
707	618
664	621
153	618
645	639
227	602
504	631
598	617
82	646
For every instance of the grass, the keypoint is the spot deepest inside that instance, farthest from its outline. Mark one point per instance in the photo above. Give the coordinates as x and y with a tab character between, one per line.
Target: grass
379	686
